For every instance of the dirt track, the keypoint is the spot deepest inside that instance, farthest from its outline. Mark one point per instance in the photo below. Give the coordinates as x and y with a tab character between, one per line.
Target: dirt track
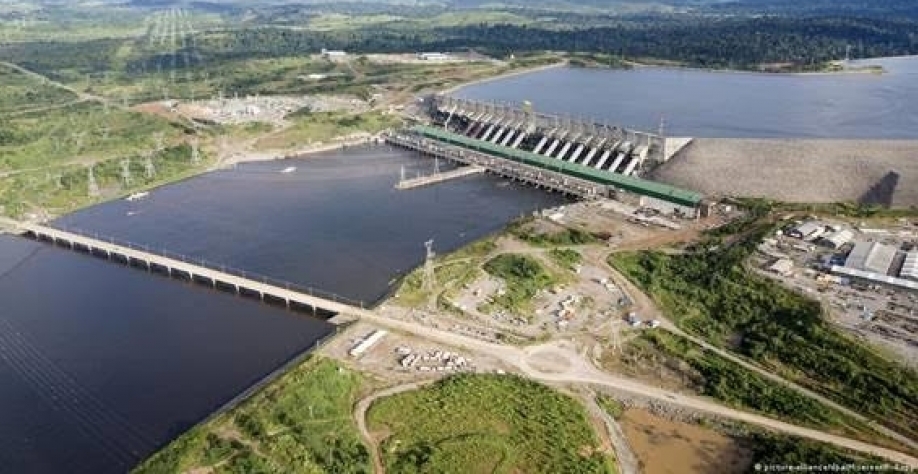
576	369
878	171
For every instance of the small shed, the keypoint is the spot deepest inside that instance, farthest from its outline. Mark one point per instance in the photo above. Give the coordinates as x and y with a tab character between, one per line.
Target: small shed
782	266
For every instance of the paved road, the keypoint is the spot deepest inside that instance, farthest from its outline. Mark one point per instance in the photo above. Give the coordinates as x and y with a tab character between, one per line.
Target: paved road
570	367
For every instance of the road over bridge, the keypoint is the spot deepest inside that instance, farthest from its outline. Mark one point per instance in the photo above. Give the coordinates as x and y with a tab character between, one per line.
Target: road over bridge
197	271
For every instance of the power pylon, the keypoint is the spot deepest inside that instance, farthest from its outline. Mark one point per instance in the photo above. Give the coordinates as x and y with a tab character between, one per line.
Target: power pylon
429	274
149	169
92	186
126	172
195	153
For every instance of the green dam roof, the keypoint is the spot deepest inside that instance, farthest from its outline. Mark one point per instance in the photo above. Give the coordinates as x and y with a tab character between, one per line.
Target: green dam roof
628	183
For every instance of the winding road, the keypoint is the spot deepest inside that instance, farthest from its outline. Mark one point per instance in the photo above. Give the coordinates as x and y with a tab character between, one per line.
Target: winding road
360	414
645	306
559	362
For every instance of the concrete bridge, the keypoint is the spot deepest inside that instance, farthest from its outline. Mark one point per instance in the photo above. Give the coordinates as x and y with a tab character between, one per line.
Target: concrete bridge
246	284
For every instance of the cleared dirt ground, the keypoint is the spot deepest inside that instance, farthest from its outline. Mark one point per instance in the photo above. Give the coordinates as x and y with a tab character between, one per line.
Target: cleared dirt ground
874	171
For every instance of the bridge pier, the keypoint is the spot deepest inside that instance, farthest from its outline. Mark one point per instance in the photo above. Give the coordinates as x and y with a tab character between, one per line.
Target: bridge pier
244	285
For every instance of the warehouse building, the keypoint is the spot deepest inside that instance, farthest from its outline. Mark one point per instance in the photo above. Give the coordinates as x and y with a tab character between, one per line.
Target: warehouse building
910	266
835	240
810	230
871	257
875	278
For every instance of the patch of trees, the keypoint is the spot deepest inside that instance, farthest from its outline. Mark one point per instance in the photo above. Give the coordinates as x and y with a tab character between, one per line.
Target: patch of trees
710	292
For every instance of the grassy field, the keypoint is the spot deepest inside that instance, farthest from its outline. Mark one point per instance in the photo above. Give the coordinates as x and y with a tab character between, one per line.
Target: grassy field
82	132
22	92
451	272
44	155
565	258
709	292
484	424
522	230
323	126
300	423
524	276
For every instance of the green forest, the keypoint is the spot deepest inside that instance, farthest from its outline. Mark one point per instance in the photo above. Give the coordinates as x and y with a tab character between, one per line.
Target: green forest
709	292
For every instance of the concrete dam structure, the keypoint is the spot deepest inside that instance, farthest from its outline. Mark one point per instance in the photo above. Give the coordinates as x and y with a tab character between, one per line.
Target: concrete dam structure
596	145
582	158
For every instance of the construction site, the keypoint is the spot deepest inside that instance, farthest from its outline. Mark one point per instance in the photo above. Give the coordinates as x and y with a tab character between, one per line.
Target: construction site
864	275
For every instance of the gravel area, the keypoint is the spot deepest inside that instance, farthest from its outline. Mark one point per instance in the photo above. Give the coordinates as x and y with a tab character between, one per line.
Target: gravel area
875	171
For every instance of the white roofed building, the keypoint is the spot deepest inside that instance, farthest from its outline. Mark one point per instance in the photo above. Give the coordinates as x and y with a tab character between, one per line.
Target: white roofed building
808	230
836	239
910	267
872	257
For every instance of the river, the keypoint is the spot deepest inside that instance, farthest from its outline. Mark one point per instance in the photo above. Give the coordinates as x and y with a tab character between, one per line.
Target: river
713	104
101	364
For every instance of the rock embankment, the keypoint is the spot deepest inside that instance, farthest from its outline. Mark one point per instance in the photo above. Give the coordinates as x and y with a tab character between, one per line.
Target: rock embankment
881	172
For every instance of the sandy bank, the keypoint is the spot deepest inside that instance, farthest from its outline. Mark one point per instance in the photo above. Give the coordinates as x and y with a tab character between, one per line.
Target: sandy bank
505	75
270	155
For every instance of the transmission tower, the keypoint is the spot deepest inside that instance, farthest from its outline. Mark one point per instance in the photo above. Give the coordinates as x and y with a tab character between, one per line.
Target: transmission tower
149	169
126	172
92	186
158	137
195	153
429	274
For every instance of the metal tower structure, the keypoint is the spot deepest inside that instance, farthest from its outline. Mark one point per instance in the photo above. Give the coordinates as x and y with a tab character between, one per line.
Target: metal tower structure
195	153
126	172
149	169
92	186
429	274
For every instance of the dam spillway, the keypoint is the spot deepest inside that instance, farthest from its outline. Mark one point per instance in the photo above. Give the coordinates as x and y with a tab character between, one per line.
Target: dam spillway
579	157
599	145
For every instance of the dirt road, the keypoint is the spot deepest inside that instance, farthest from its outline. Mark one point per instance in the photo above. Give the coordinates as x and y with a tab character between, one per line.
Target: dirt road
567	366
648	310
360	414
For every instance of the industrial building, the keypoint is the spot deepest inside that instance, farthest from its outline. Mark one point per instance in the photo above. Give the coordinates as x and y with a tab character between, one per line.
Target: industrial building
673	199
837	239
810	230
871	257
910	266
432	56
875	278
329	54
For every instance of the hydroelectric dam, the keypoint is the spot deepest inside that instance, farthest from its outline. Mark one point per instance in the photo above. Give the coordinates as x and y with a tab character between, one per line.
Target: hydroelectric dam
577	157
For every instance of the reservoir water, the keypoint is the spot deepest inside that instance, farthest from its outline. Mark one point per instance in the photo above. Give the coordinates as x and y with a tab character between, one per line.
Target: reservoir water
725	104
100	364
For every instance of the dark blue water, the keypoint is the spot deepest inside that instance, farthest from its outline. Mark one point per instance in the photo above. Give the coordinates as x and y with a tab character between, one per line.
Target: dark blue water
725	104
337	223
100	363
